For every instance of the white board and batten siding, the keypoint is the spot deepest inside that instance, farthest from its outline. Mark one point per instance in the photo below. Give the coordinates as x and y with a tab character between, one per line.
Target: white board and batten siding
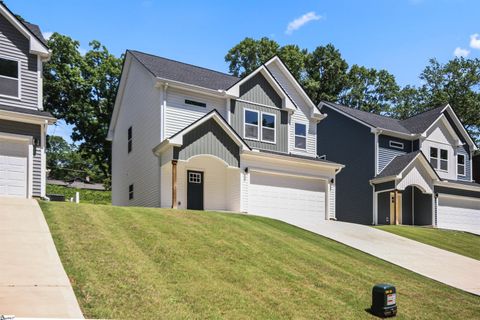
301	115
458	213
140	109
179	115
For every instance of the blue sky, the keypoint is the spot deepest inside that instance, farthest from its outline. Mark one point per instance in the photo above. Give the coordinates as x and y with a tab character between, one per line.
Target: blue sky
397	35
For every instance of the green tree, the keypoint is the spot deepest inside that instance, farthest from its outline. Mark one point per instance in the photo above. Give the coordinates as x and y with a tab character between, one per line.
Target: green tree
370	90
294	58
249	54
81	90
326	74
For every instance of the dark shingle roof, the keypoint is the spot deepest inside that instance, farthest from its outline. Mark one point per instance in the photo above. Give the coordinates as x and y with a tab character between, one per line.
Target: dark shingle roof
372	119
35	29
413	125
33	112
183	72
420	122
397	165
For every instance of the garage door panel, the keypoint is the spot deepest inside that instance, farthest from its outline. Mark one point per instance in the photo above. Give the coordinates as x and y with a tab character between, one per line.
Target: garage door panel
13	168
459	213
298	201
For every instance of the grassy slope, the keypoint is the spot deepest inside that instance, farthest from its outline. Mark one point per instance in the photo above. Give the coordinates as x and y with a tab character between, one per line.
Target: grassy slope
463	243
141	263
86	196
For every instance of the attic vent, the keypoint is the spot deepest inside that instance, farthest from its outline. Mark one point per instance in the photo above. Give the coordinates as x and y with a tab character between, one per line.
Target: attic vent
195	103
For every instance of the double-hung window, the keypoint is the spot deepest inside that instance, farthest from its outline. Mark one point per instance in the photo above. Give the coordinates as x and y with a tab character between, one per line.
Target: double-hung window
251	124
9	78
300	136
439	158
461	164
268	127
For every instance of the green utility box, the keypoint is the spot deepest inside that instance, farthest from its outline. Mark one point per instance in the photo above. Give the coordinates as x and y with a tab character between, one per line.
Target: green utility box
384	300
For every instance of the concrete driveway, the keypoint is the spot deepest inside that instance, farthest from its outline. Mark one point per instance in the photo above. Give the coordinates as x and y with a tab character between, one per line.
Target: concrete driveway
33	282
450	268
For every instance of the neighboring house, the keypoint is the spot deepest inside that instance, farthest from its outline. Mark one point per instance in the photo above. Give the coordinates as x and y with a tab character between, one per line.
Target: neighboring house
23	123
77	184
192	138
414	171
476	167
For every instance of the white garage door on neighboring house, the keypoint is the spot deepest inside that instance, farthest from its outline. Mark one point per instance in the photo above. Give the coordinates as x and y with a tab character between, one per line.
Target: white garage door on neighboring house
13	168
295	200
458	213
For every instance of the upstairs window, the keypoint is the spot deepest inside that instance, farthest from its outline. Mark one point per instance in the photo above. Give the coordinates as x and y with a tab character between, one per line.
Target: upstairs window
268	127
9	78
129	143
251	128
195	103
130	192
300	136
461	165
439	158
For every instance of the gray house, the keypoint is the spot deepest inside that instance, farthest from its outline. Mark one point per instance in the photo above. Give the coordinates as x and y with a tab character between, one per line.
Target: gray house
191	138
23	123
416	171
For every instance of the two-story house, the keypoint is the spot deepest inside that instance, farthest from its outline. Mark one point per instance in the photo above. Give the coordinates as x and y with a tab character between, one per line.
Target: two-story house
23	123
192	138
416	171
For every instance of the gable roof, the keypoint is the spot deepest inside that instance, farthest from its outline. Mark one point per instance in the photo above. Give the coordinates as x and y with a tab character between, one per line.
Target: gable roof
35	29
421	122
400	163
184	72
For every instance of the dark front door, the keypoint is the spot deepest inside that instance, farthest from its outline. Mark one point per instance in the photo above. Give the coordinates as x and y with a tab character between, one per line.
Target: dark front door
195	190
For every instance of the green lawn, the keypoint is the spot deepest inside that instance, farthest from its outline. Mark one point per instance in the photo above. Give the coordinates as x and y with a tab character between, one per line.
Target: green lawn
463	243
146	263
86	196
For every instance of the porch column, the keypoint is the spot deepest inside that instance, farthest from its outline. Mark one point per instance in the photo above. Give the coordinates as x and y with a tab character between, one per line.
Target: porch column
398	207
174	184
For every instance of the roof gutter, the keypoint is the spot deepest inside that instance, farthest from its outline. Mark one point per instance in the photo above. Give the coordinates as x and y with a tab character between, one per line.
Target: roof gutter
182	85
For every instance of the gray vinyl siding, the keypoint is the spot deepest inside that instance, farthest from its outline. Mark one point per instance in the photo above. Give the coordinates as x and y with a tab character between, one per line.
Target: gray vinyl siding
209	138
14	45
30	130
281	124
386	153
258	90
348	142
468	172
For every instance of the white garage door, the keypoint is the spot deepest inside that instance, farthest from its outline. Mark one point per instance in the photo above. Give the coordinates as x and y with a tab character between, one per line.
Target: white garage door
298	201
459	213
13	168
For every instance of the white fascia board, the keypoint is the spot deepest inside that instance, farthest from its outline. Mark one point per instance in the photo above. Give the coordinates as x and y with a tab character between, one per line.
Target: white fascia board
293	160
35	46
383	179
449	127
292	79
450	184
425	163
23	117
460	126
182	85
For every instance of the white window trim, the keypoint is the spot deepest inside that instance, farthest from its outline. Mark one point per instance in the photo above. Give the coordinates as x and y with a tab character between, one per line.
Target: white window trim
439	159
245	124
464	165
19	66
295	135
396	145
274	128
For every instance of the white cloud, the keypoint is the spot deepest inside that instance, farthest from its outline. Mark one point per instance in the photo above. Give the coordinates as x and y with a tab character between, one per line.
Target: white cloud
460	52
475	41
47	34
301	21
82	51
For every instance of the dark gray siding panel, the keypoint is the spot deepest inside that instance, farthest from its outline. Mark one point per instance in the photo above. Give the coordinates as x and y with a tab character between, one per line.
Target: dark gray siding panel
258	90
348	142
458	192
385	186
407	195
415	145
383	208
236	118
423	208
16	46
209	138
387	153
468	172
31	130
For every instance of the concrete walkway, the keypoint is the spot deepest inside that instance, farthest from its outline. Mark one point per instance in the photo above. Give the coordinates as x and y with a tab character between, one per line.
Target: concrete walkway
33	282
450	268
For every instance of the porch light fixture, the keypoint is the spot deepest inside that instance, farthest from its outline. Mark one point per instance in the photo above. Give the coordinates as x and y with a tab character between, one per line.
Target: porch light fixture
246	170
332	181
36	142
